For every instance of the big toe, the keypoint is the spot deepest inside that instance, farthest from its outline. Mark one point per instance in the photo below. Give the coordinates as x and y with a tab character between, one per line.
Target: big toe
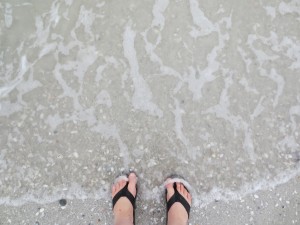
132	183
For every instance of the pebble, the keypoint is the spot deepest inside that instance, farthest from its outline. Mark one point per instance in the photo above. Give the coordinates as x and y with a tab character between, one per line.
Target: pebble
62	202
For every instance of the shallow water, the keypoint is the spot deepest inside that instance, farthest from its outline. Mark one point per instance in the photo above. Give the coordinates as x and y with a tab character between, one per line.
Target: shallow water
208	90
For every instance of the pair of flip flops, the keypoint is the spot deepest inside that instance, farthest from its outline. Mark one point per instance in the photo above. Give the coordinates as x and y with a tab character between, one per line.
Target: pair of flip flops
176	197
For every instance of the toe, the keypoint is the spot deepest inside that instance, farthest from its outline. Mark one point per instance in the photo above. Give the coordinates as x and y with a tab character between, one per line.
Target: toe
132	178
119	185
132	183
122	184
170	189
187	194
113	190
189	197
182	188
184	191
178	186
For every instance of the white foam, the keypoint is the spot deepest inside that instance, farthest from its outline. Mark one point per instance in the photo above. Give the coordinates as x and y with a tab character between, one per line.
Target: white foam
100	5
200	200
226	195
54	121
3	161
42	32
178	124
222	111
86	18
103	98
8	19
197	78
262	57
199	19
292	52
120	178
288	143
288	46
28	85
271	11
159	8
244	82
99	72
142	96
67	90
178	180
158	23
294	112
49	47
289	7
7	108
279	80
248	143
43	29
258	109
150	49
246	60
10	86
69	2
23	86
85	58
54	13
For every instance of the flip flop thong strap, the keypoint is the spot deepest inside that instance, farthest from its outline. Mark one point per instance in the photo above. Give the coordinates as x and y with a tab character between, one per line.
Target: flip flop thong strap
124	193
177	197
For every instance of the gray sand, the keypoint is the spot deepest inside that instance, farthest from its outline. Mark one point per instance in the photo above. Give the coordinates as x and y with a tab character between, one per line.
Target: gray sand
206	89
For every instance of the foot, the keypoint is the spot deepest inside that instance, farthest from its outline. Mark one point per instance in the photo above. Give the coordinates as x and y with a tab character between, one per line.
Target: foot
177	214
123	209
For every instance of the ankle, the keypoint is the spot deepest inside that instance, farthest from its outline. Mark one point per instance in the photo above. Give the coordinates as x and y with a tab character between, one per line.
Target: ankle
170	222
176	219
123	215
176	222
123	221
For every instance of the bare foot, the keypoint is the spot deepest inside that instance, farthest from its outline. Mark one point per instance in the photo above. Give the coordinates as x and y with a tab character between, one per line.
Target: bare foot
123	210
177	214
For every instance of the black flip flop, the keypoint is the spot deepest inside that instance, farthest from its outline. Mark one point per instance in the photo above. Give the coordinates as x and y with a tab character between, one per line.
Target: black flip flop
124	192
177	197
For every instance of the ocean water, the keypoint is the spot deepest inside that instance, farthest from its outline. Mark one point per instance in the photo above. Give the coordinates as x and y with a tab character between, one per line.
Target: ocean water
206	89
